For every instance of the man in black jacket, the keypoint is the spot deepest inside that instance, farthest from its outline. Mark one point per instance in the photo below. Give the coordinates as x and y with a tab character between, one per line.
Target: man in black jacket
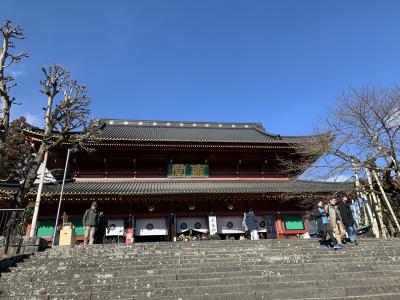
251	223
102	227
347	218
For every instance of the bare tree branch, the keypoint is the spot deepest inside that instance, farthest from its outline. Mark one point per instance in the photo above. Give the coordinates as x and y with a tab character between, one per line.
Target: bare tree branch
8	34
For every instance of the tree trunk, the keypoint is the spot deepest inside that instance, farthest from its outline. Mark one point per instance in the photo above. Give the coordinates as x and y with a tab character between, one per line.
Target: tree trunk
386	200
30	177
376	205
5	123
367	207
38	195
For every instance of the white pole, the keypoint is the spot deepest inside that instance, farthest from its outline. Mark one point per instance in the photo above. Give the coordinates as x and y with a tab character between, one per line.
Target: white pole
377	204
361	189
38	196
61	195
386	199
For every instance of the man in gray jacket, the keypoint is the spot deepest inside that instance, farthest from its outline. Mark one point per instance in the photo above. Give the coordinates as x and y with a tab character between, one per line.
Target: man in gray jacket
335	220
90	220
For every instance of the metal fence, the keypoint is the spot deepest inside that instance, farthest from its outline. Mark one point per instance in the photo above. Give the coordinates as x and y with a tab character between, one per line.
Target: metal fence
12	229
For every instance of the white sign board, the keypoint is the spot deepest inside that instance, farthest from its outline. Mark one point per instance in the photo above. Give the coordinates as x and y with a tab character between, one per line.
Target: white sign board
191	223
116	227
212	222
262	226
228	225
151	226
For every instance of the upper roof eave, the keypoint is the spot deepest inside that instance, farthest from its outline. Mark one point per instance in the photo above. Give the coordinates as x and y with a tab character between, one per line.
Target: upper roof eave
191	132
203	186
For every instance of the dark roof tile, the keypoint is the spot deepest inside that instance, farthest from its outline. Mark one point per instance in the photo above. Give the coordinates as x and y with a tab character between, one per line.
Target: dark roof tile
157	187
176	131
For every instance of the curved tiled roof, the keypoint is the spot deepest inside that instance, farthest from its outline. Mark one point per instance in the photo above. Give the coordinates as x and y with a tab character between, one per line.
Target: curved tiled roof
177	131
159	187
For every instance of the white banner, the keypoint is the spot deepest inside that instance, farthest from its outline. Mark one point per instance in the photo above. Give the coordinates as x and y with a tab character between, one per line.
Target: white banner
193	223
151	226
116	227
261	224
227	225
212	222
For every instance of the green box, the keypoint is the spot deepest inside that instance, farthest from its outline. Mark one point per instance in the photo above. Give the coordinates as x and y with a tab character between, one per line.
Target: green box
45	228
293	222
79	229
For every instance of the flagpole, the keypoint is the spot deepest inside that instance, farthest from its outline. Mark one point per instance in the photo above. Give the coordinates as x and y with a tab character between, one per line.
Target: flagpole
61	195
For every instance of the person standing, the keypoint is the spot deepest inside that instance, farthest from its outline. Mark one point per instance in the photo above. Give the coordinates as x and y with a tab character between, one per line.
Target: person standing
251	224
347	219
90	221
335	220
102	227
339	222
324	227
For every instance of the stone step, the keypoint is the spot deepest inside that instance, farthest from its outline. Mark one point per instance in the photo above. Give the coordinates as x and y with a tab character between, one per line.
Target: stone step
252	291
190	271
215	254
222	296
191	287
218	244
266	269
178	259
202	246
214	279
194	253
87	266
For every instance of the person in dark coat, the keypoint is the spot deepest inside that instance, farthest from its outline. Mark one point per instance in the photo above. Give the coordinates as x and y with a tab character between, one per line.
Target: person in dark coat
102	226
250	220
347	218
324	227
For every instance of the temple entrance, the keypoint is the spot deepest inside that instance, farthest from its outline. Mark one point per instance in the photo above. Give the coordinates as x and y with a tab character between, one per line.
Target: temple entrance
198	224
230	227
191	228
151	230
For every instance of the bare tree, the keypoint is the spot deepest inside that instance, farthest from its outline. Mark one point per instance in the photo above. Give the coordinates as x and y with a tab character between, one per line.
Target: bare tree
365	126
9	34
17	152
67	110
366	123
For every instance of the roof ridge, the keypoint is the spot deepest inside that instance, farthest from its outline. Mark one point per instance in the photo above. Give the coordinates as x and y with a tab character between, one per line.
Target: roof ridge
179	123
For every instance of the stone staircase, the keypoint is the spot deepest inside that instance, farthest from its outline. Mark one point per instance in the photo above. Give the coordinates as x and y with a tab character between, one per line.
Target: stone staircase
265	269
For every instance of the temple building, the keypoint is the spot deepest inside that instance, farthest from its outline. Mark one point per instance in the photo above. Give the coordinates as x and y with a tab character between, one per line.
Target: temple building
164	179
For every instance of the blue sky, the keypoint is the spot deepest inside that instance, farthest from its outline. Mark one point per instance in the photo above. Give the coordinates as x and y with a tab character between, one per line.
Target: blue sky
277	62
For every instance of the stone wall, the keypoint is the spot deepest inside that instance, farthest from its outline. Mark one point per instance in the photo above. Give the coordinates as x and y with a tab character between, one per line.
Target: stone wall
29	245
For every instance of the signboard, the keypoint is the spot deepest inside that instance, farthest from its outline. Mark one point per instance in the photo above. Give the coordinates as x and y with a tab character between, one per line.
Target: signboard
151	226
293	222
116	228
262	226
187	171
229	225
212	224
191	223
45	228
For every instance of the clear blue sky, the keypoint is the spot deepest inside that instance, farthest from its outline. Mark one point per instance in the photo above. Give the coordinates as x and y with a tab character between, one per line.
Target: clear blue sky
277	62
